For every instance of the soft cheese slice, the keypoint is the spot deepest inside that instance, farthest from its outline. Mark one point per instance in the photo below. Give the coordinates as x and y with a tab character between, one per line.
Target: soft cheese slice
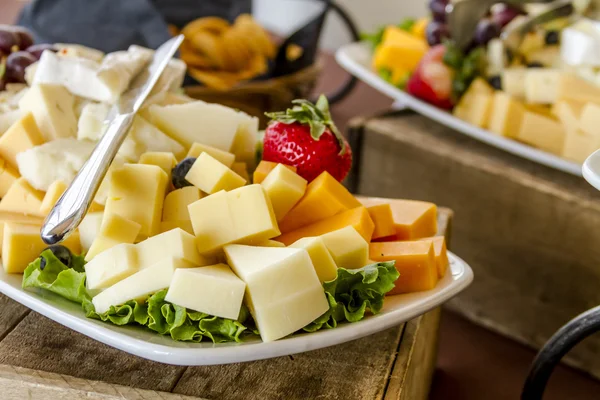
177	202
22	244
113	231
52	195
347	247
284	188
223	157
214	290
140	285
137	193
59	159
89	228
52	107
79	51
283	293
22	198
111	266
91	121
172	77
22	135
174	243
324	265
144	137
210	124
117	69
211	176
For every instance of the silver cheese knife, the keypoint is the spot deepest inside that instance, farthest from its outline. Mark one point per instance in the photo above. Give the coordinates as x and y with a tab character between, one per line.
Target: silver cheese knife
72	206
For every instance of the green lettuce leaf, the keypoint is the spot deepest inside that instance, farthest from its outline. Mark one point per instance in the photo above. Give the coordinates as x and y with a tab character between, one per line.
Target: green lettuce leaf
354	293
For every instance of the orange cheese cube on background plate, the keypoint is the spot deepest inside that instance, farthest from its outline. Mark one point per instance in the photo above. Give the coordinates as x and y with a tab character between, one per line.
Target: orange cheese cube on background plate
415	261
413	219
324	198
357	217
441	254
263	169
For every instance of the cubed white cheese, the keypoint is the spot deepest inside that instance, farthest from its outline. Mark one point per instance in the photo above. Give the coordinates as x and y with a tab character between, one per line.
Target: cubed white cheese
580	44
214	290
111	266
541	85
174	243
89	229
79	51
91	121
60	159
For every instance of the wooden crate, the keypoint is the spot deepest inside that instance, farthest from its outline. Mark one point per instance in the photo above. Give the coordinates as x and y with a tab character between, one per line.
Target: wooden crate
42	360
530	233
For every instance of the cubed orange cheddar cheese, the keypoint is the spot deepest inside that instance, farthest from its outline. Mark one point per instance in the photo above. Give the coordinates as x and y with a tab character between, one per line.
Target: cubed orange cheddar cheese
415	261
56	189
324	198
441	254
357	217
382	217
399	49
263	169
413	219
8	176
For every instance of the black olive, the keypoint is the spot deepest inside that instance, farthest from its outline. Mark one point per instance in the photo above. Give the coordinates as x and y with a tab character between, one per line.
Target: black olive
180	171
552	37
535	64
496	82
63	254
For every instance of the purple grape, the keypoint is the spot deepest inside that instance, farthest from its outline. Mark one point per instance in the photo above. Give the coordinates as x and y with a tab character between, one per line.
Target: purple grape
2	84
503	14
438	9
486	30
24	37
37	49
436	32
16	64
8	40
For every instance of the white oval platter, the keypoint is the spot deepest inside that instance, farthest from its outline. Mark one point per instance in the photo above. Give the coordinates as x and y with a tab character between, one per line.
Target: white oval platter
147	344
356	59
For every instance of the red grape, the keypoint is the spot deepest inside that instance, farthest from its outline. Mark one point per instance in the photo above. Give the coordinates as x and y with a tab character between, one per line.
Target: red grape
502	14
37	49
16	64
8	40
438	9
24	37
486	30
436	32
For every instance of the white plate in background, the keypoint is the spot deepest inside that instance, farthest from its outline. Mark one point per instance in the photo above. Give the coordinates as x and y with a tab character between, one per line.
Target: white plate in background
356	59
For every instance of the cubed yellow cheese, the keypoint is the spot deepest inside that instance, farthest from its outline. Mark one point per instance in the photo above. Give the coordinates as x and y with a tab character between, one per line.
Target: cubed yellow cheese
22	135
111	266
22	244
542	132
322	261
8	176
475	105
56	189
284	188
324	198
541	85
506	115
113	231
513	82
589	120
575	88
347	247
270	243
89	228
165	160
221	295
244	215
224	157
579	145
283	291
246	137
176	203
263	169
174	243
137	193
568	112
53	109
186	225
211	176
22	198
241	168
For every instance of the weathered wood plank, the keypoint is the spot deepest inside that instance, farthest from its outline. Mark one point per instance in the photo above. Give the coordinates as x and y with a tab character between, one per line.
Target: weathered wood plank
41	344
353	370
23	383
11	313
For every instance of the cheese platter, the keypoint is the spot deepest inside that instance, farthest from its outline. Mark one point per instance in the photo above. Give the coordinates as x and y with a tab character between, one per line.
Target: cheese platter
207	241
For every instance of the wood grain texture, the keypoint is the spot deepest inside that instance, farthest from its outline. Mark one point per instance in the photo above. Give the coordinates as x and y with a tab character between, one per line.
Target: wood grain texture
41	344
529	232
11	313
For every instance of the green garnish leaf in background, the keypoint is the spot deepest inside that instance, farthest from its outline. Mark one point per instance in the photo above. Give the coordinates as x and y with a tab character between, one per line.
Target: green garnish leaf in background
374	39
407	24
354	292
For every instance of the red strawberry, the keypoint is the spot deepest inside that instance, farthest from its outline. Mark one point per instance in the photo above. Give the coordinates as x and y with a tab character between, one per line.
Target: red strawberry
306	138
432	80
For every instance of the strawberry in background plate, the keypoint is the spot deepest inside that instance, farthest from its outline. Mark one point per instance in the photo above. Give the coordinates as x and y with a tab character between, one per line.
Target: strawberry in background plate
432	80
305	137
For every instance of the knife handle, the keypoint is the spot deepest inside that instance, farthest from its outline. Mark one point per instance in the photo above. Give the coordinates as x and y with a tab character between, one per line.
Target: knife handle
73	205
